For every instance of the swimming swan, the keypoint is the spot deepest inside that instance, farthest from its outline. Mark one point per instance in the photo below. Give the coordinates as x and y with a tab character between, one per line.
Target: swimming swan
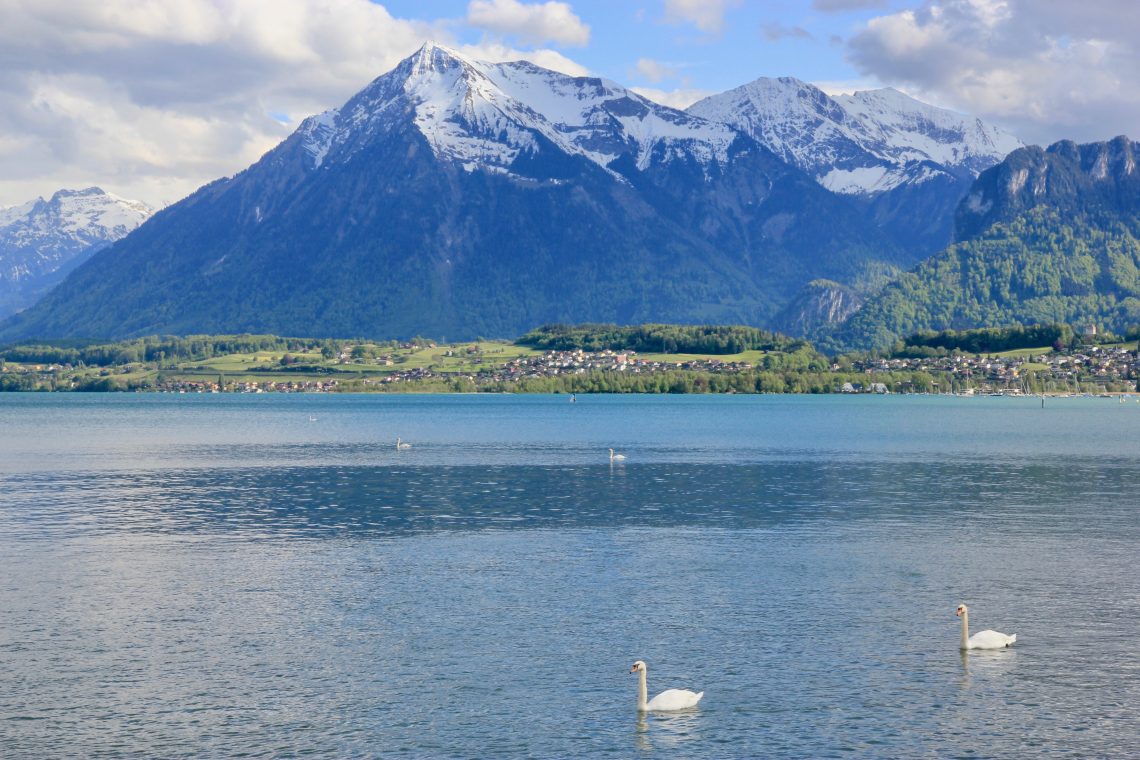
670	699
401	445
616	457
981	639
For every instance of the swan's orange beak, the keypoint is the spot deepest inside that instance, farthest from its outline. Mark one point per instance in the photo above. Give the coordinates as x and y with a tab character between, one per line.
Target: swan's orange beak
957	613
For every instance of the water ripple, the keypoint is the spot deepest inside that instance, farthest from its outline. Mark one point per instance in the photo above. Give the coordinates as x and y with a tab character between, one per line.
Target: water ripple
199	579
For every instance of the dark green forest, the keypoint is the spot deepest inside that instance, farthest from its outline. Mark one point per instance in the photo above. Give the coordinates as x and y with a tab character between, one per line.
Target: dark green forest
654	338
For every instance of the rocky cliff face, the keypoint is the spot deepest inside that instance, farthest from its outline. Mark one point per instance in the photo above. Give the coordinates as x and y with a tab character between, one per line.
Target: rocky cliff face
1064	175
820	303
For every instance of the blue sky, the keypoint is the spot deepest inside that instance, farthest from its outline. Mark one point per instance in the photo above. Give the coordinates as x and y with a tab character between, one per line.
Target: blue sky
151	99
713	52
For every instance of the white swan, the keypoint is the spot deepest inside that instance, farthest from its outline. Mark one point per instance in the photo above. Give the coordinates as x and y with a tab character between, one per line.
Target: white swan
670	699
616	457
401	445
981	639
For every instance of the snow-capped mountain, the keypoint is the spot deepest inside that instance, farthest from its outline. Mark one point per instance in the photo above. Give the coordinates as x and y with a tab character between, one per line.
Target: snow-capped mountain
456	198
907	162
486	115
861	144
41	241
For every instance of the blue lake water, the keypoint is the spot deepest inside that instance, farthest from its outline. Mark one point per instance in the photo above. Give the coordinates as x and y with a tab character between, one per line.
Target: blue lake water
269	576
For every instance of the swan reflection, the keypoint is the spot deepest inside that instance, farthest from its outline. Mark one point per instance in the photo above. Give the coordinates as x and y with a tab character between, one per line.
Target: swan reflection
985	663
643	742
656	731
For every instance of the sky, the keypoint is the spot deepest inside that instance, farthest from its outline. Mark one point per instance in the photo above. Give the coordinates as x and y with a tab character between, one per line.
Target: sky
150	99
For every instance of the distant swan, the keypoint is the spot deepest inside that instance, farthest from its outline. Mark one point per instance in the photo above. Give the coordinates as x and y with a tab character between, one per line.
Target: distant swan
670	699
401	445
981	639
616	457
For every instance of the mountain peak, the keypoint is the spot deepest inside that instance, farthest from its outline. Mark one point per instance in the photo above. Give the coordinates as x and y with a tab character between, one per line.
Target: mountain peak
485	116
434	57
770	86
84	193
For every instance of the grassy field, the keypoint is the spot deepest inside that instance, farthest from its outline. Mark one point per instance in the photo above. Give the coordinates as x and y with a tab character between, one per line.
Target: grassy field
751	357
453	358
377	361
261	360
1023	353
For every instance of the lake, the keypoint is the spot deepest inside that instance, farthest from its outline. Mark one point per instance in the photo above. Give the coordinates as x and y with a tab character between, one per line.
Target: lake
221	575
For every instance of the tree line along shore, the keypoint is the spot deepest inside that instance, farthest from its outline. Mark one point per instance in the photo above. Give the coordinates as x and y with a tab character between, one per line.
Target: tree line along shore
1039	359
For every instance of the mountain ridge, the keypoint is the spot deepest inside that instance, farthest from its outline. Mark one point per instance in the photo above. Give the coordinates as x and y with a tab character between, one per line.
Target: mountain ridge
908	162
862	143
458	198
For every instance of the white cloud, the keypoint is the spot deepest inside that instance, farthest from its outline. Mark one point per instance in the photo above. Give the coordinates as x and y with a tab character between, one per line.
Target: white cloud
654	71
775	31
151	99
496	52
534	24
1045	69
706	15
846	86
680	98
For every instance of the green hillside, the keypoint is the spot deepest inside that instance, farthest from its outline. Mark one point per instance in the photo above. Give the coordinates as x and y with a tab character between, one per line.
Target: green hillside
1042	267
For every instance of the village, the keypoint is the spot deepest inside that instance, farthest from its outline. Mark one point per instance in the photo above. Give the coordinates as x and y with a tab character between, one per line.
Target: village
1089	369
1092	369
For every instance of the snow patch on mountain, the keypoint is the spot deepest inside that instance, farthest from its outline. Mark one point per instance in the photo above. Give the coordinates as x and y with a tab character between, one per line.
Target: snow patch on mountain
906	129
10	214
317	133
484	115
861	179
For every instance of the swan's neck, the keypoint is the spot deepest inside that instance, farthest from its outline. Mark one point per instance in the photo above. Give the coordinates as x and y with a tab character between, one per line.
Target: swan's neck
642	691
965	630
